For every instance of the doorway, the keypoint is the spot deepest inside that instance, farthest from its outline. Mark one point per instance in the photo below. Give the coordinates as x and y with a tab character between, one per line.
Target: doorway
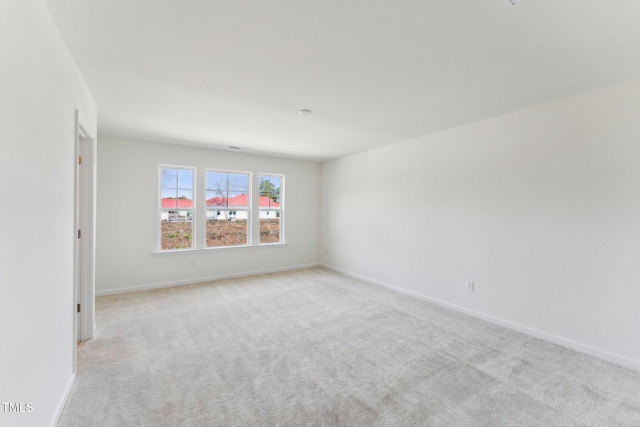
85	203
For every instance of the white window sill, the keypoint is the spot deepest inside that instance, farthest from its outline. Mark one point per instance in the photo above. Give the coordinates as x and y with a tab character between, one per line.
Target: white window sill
216	249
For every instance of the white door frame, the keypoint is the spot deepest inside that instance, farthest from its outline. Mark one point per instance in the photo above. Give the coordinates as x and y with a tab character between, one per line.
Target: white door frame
85	222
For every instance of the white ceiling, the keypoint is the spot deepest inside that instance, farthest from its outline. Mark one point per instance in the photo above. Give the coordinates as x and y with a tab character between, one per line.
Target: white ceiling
374	72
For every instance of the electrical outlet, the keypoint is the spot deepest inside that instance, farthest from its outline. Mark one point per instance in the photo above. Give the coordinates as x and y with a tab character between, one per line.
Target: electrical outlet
470	286
326	252
191	263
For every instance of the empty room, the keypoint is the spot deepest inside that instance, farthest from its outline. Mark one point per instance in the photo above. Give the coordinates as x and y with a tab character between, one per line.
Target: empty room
320	213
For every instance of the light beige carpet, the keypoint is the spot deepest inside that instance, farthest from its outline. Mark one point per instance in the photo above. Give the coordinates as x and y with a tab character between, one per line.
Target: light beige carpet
316	348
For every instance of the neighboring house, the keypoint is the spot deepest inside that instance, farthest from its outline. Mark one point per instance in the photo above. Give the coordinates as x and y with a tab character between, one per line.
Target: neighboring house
177	214
233	208
218	208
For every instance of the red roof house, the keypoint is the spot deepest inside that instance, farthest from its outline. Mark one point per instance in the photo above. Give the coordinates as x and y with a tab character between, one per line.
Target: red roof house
233	202
177	203
241	201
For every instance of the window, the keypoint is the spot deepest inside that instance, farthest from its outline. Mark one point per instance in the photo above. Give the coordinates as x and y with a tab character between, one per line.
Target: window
176	207
271	208
227	208
225	216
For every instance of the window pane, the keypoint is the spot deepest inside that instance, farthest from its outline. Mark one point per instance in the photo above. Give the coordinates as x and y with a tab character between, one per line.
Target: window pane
169	193
226	202
226	227
176	204
237	200
215	199
176	215
169	199
275	186
269	192
216	181
269	227
169	178
175	233
185	179
185	195
238	182
222	184
269	204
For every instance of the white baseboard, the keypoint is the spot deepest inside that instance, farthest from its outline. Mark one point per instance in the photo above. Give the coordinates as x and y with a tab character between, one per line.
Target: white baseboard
564	342
200	280
63	400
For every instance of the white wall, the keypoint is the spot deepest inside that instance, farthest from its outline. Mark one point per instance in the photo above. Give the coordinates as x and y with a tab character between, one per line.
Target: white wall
540	207
128	183
40	89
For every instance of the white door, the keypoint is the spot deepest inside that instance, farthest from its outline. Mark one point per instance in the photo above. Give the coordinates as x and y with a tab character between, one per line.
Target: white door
80	273
84	281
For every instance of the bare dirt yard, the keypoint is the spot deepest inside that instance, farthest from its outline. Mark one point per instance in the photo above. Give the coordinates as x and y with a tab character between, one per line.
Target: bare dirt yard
178	235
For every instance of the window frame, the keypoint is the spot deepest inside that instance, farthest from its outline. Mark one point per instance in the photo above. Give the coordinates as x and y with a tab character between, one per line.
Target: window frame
280	209
198	211
230	210
192	210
